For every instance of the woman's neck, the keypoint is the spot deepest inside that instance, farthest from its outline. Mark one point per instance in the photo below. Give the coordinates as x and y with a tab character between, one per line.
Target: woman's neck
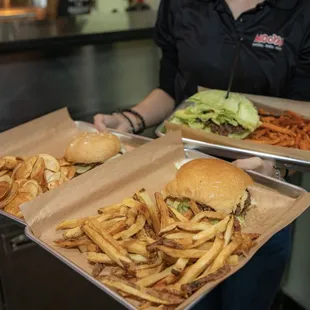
238	7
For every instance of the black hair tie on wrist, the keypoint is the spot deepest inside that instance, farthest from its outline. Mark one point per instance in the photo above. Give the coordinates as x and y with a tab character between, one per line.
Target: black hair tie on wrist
140	117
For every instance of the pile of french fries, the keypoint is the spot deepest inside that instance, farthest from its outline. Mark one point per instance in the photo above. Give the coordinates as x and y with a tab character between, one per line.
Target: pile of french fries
288	130
152	253
23	179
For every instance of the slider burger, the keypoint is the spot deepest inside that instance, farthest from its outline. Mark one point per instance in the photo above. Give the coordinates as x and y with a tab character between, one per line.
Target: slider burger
213	185
88	150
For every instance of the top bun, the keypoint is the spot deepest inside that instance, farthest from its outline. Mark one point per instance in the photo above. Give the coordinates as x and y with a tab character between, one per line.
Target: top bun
92	147
211	182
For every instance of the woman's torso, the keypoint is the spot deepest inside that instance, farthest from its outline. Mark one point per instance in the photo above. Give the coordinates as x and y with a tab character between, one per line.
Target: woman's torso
270	36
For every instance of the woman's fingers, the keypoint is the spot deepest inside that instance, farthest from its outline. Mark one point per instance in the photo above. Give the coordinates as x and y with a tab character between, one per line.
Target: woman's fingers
265	167
104	121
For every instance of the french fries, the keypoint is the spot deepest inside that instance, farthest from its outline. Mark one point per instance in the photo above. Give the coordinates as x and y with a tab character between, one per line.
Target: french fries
288	130
157	263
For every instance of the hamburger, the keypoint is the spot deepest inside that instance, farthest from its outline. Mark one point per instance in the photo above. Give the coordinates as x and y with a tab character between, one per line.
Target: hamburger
213	184
235	117
90	149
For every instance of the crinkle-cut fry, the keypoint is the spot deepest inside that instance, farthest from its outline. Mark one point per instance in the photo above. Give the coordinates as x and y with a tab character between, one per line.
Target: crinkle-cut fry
194	207
104	245
127	288
98	227
135	228
73	233
193	271
154	278
278	129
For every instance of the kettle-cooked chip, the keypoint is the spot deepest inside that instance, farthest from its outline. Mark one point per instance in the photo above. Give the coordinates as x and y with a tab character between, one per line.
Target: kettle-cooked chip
32	187
13	206
10	162
38	170
4	189
12	194
51	163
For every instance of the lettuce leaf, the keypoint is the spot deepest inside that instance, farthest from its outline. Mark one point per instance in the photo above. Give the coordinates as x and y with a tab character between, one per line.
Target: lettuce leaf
212	105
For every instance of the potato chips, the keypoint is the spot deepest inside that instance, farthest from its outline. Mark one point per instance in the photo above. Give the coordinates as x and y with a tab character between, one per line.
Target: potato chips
23	179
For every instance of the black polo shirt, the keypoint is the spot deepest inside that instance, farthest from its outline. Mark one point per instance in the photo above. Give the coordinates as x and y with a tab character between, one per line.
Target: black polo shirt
199	41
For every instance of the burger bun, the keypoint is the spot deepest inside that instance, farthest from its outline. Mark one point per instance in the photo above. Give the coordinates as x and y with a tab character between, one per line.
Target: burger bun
92	148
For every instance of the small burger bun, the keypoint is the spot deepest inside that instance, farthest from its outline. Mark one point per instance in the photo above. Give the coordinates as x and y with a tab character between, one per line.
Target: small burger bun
211	182
92	148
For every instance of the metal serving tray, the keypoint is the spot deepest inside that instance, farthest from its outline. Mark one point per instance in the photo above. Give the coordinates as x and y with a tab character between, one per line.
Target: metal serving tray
236	153
282	187
126	138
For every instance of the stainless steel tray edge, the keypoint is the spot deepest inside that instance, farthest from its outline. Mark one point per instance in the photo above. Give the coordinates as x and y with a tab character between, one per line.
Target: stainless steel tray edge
83	273
236	153
12	217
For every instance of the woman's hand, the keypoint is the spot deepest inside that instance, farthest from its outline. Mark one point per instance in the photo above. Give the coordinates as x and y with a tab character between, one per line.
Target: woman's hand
115	121
257	164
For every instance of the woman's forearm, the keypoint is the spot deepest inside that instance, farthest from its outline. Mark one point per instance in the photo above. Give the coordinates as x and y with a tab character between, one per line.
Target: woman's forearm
155	107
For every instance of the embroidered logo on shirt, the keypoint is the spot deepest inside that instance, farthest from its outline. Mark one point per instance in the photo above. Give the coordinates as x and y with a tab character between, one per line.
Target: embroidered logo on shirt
268	41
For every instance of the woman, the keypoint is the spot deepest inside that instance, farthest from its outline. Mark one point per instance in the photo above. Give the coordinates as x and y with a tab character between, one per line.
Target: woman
200	40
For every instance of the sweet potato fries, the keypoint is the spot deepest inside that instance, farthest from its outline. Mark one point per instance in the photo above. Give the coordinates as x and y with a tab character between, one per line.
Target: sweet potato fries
288	130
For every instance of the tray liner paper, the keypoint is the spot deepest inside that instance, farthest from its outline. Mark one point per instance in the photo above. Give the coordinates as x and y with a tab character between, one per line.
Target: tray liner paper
49	134
151	166
270	104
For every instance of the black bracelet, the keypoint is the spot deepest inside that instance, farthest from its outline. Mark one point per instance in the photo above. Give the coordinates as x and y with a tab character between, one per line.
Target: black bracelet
139	116
129	121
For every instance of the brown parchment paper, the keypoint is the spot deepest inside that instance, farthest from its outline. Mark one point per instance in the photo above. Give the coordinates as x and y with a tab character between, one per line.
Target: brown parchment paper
50	134
151	166
271	104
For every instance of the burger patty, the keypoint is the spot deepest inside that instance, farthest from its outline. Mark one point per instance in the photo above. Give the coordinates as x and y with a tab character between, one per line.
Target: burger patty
204	207
224	129
247	203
